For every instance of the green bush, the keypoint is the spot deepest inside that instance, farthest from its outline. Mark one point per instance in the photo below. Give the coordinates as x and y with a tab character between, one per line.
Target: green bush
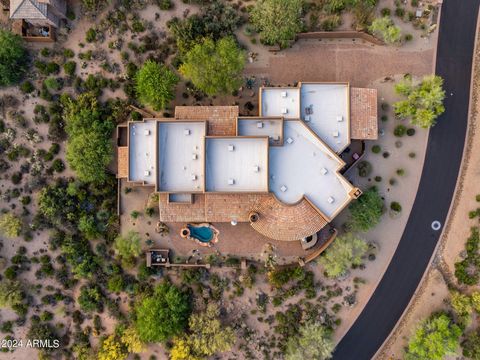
400	172
408	37
365	212
69	67
53	84
91	35
376	149
27	87
400	12
411	132
164	4
395	206
400	131
364	168
13	58
385	12
68	53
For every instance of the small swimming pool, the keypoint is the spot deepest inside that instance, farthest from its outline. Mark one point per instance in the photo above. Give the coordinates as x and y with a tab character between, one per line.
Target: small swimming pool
201	233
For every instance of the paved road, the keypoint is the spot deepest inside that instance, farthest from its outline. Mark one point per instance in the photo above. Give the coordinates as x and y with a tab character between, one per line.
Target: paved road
442	163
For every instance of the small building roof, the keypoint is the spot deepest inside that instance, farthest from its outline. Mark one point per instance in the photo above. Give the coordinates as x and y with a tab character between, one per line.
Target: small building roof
142	151
324	107
257	126
28	9
363	114
237	164
280	101
181	156
221	119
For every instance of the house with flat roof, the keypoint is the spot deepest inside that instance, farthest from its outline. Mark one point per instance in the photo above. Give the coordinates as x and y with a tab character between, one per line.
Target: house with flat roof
281	170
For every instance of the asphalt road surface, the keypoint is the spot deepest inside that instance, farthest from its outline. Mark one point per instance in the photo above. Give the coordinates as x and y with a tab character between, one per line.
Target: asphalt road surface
444	154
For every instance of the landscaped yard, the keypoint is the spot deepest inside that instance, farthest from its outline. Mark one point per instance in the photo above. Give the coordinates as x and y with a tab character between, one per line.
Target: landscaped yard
78	273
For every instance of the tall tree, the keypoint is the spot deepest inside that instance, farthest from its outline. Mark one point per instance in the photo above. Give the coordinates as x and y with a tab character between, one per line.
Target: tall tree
11	293
128	247
215	68
424	100
207	336
89	129
277	21
314	342
13	58
10	225
365	212
155	85
435	338
162	315
345	251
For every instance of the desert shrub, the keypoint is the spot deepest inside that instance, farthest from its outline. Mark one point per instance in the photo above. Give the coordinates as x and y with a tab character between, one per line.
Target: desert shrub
395	206
400	130
364	168
91	35
69	67
164	4
466	270
386	30
385	12
411	132
91	298
376	149
365	212
27	87
345	252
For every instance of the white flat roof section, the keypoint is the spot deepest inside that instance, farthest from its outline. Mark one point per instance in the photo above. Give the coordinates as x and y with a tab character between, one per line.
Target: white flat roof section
284	102
237	164
324	108
304	166
141	152
181	156
273	128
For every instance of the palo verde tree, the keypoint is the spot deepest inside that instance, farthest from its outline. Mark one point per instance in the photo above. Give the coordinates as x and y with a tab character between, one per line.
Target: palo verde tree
10	225
365	212
207	336
215	67
13	58
89	129
155	85
424	100
435	338
277	21
314	342
162	315
347	250
385	29
128	247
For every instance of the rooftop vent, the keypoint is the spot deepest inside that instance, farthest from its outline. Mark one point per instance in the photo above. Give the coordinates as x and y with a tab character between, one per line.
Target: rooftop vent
147	132
194	177
283	188
339	118
259	124
146	173
335	134
307	118
289	140
256	168
331	200
194	156
231	147
284	111
231	182
284	94
186	132
323	171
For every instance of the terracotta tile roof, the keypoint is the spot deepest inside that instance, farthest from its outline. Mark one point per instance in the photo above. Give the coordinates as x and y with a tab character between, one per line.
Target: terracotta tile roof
363	114
276	220
170	212
287	222
225	207
122	160
221	119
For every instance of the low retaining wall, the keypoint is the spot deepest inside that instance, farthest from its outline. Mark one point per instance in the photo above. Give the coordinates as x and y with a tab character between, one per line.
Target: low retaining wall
341	35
